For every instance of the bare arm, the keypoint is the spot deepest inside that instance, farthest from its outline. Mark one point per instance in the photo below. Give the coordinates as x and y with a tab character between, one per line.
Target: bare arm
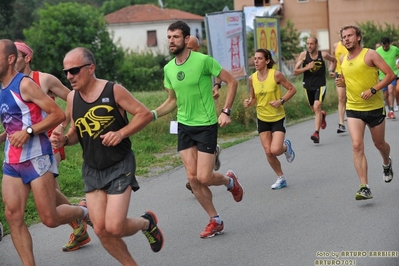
298	69
372	58
141	117
232	85
31	92
50	83
169	105
281	79
58	139
141	114
252	99
333	62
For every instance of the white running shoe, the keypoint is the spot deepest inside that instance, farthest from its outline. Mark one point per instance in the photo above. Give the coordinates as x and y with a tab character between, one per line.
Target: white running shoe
280	183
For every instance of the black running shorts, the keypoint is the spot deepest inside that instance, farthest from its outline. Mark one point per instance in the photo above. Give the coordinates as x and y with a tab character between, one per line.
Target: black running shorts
204	137
271	126
114	179
371	118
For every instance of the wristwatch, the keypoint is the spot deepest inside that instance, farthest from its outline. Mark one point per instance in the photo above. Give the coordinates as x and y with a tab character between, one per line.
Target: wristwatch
373	91
217	84
227	111
29	130
282	100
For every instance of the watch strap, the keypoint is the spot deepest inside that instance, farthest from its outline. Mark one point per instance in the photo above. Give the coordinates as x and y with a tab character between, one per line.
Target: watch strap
227	111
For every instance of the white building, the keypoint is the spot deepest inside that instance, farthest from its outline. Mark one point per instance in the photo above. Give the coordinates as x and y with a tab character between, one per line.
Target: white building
143	28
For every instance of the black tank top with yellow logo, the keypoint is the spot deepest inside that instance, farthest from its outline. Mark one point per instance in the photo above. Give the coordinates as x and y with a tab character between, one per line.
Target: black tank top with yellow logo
95	119
316	77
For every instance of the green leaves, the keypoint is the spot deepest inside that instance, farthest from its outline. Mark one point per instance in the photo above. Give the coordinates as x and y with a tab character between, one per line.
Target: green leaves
65	26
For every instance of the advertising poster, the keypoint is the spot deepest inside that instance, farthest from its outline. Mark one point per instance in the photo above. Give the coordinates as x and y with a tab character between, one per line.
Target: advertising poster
267	36
227	42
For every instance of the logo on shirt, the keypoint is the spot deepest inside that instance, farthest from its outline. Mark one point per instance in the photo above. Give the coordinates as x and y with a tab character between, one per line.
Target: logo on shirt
92	123
105	100
5	115
180	75
317	66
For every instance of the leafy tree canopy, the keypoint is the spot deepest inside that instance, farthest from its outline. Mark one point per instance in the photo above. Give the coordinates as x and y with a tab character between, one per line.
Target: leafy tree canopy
372	33
65	26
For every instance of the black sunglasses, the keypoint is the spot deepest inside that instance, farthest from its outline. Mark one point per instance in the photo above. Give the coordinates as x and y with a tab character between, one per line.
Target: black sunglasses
74	70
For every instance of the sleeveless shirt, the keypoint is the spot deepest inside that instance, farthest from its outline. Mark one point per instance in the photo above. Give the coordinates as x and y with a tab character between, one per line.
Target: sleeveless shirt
360	77
316	77
17	114
340	50
266	91
95	119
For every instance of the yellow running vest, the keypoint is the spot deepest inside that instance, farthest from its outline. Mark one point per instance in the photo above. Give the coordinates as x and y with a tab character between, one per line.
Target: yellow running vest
265	92
360	77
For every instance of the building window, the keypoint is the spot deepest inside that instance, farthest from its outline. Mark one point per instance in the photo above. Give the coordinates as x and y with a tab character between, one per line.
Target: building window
152	38
261	2
324	41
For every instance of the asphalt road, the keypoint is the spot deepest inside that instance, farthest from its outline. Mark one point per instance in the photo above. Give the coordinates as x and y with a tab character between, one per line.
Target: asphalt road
315	220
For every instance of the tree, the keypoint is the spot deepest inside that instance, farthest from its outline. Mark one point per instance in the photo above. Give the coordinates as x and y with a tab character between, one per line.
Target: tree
195	7
6	16
114	5
372	33
289	41
65	26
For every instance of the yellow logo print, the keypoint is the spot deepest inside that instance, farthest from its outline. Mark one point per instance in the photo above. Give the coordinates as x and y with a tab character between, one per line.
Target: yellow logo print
93	124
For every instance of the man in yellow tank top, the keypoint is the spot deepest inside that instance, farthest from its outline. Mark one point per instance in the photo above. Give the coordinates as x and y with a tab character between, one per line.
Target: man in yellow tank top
340	50
365	103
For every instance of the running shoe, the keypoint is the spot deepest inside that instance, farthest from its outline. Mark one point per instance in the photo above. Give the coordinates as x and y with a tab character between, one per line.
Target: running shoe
388	173
212	229
237	190
87	218
323	120
289	153
391	115
341	128
280	183
217	160
315	137
1	232
79	239
363	193
188	186
153	233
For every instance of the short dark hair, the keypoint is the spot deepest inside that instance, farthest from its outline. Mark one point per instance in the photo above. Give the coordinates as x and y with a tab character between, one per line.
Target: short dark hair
9	49
385	40
180	25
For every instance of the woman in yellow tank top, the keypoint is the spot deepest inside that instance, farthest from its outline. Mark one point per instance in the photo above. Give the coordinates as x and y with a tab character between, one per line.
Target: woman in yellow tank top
265	93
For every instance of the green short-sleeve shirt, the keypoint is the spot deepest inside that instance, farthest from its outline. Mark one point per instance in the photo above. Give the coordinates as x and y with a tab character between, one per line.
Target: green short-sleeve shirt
192	83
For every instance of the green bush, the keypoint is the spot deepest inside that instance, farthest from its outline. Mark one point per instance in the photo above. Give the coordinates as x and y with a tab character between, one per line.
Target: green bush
142	72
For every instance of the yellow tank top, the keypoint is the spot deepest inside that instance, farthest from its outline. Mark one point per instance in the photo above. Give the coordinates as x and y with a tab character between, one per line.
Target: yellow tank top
265	92
340	50
360	77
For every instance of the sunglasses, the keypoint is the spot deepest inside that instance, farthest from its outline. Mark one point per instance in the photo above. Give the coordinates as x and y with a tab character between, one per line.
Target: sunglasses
74	70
